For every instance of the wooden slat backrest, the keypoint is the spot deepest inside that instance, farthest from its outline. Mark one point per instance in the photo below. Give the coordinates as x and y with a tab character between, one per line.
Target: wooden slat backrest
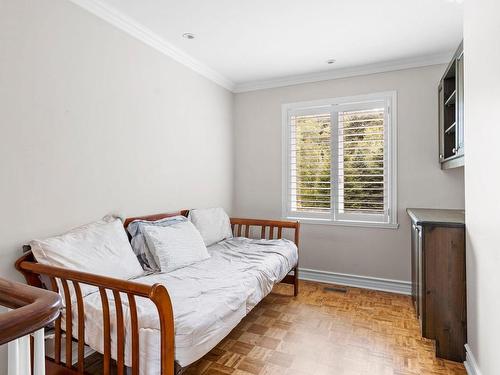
280	225
267	228
238	225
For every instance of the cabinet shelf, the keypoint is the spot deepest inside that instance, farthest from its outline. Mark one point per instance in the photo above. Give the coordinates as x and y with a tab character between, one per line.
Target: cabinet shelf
451	157
451	99
451	128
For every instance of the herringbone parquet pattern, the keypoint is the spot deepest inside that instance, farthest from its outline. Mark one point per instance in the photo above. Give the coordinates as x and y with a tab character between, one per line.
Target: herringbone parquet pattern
360	332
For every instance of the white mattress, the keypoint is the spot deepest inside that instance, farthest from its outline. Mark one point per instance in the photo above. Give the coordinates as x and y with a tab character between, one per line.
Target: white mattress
209	299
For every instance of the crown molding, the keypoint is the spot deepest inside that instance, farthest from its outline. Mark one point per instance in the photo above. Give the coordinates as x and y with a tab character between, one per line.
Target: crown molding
383	67
145	35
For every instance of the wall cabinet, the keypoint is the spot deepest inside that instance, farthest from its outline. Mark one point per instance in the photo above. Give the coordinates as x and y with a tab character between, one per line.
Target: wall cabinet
451	113
438	278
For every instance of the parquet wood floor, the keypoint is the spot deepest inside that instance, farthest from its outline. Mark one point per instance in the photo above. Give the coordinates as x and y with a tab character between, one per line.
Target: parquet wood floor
361	332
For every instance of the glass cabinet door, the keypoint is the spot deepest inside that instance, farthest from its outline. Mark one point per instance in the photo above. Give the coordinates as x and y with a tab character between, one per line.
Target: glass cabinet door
460	103
441	123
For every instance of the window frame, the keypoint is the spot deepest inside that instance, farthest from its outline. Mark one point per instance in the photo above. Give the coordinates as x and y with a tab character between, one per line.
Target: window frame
334	105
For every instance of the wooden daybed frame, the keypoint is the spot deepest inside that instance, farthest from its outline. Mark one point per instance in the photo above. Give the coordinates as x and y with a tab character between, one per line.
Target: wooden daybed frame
157	293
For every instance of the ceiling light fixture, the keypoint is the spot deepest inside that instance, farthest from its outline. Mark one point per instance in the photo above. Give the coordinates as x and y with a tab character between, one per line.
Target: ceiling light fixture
331	61
188	35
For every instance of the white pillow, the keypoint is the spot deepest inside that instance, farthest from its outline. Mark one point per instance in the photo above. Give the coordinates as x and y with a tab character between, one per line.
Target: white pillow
176	246
101	248
145	256
213	224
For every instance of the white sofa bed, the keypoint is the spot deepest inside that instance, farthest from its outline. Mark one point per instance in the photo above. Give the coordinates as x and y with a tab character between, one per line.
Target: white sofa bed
207	299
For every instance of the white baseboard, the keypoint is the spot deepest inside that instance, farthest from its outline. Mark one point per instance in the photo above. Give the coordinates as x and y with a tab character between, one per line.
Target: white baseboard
470	362
375	283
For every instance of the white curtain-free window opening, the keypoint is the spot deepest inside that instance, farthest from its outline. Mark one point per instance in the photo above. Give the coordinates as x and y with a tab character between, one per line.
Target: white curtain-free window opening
339	160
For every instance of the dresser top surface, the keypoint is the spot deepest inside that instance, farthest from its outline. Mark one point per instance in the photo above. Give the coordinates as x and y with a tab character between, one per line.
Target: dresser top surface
437	216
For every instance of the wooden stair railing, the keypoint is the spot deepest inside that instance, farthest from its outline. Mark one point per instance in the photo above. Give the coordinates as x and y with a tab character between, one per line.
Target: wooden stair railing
32	309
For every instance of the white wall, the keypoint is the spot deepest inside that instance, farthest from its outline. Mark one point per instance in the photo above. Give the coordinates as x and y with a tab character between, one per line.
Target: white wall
383	253
93	121
482	178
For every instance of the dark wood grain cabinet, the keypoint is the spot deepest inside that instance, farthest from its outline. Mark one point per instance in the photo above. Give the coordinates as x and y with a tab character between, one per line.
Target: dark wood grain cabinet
438	278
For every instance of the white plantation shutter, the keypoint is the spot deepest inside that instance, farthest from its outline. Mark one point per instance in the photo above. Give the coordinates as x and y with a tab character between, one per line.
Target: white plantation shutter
362	188
310	162
338	164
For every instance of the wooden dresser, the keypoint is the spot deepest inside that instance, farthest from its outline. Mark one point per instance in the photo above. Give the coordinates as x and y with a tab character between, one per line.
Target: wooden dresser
438	278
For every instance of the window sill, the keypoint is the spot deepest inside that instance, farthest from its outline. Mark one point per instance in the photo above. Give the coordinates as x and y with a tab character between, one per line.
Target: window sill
345	223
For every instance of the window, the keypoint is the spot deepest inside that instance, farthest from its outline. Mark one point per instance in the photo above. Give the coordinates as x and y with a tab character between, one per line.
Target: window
340	160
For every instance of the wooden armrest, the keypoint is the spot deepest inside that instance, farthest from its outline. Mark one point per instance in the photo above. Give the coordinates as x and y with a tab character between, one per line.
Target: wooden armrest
157	293
120	285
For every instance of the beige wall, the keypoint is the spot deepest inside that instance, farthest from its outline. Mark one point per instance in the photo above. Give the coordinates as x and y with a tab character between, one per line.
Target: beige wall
482	179
93	121
383	253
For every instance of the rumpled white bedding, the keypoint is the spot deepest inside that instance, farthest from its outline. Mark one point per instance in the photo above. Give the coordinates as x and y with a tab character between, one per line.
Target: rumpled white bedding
209	299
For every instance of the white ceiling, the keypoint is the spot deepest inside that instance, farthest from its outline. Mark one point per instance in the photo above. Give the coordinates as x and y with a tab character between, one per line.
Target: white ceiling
261	40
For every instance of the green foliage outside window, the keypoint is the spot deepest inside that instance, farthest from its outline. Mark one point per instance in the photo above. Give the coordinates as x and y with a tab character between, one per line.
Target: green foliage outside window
360	155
